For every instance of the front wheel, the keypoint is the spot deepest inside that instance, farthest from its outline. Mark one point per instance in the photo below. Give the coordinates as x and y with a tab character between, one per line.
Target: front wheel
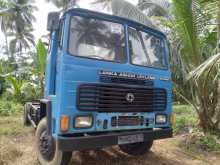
47	150
137	148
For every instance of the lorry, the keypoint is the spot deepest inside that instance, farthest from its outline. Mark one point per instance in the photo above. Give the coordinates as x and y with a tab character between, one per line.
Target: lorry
107	82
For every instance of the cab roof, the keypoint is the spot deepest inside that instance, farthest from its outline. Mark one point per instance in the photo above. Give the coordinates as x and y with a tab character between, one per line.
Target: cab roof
90	13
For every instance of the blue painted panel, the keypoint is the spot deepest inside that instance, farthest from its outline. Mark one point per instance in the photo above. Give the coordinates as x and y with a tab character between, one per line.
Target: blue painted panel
68	72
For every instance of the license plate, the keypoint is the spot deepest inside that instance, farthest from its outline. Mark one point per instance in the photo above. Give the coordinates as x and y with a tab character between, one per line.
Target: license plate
130	139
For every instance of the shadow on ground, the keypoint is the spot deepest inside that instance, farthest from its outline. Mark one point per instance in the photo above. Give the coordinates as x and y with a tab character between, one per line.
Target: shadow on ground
112	156
20	150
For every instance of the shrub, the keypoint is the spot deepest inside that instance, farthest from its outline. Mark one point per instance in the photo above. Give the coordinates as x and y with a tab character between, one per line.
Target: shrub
208	143
197	141
185	118
9	107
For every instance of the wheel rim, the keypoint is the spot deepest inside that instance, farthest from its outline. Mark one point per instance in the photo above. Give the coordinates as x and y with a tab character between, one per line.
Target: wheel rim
46	146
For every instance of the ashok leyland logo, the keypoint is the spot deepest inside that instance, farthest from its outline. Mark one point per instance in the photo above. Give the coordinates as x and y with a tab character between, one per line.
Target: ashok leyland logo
130	97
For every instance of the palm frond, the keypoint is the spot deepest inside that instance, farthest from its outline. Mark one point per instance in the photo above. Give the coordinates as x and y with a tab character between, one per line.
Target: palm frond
205	66
186	25
155	7
105	3
127	10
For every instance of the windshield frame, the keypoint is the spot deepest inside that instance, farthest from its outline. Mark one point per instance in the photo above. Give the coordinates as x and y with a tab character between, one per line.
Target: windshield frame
148	31
101	19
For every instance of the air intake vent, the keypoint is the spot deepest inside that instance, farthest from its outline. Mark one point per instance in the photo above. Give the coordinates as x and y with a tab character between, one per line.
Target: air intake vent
120	98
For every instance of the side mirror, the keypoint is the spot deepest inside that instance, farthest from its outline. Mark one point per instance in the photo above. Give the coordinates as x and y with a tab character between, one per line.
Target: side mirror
53	21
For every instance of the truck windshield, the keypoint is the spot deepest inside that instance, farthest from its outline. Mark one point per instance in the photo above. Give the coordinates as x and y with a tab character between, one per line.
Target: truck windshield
146	49
98	39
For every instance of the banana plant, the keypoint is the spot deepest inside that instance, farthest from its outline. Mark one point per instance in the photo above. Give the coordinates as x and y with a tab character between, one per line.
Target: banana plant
40	64
15	87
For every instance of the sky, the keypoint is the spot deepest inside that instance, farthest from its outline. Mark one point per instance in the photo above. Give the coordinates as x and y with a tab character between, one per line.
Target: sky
44	8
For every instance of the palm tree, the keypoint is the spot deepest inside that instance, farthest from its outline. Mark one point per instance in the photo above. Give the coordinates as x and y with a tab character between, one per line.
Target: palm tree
189	16
3	22
188	26
16	19
64	4
142	13
127	10
212	8
154	7
21	40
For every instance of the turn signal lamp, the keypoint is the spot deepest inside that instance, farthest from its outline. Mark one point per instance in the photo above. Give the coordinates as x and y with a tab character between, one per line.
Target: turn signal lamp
171	119
64	123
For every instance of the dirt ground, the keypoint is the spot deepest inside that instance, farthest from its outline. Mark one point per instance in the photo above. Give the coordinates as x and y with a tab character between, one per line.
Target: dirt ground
19	150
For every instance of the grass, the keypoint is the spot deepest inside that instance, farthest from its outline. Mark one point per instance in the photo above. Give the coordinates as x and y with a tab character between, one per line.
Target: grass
199	142
12	125
185	122
8	108
11	118
209	143
185	119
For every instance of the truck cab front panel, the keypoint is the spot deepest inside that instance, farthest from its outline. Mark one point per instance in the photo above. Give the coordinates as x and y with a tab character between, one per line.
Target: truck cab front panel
109	82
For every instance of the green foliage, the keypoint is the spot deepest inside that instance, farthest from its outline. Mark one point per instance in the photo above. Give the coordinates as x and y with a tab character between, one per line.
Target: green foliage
127	10
40	64
12	125
30	92
185	118
15	87
154	7
208	143
64	4
16	23
195	45
41	58
3	4
8	108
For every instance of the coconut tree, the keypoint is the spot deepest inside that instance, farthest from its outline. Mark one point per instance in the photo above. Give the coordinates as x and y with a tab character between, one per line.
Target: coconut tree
154	7
63	4
127	10
21	40
16	20
190	23
212	8
3	23
189	16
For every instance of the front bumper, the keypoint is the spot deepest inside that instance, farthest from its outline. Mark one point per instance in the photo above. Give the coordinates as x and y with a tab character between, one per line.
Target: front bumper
107	139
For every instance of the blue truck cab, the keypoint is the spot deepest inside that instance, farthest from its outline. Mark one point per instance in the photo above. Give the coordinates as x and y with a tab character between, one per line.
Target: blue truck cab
107	82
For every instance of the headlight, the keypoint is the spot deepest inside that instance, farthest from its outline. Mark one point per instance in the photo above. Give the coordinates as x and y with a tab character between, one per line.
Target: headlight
83	121
161	119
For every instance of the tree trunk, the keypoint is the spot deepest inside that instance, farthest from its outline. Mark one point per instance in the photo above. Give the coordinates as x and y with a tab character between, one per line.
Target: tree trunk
6	37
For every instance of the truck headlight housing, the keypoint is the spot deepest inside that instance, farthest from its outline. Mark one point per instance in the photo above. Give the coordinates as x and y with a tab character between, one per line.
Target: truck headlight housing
161	118
83	121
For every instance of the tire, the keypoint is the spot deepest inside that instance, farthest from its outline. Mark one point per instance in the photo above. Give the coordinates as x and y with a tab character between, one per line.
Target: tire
47	150
26	121
137	148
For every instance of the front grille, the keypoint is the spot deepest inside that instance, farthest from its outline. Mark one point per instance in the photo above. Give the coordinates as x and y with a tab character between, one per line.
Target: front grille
127	121
120	98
